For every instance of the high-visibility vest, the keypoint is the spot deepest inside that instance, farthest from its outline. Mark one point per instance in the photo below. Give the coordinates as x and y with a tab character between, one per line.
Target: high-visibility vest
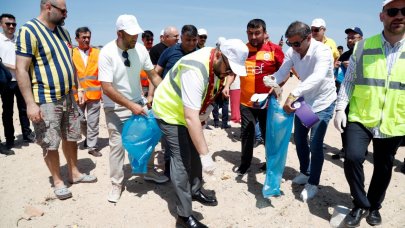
167	102
378	98
87	75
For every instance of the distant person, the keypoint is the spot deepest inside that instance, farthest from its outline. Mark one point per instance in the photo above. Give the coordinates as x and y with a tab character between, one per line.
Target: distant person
373	88
119	61
85	61
147	39
7	54
170	37
318	29
202	38
45	76
340	50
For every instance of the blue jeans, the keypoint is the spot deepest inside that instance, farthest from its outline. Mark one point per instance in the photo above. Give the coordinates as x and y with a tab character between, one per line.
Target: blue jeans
315	148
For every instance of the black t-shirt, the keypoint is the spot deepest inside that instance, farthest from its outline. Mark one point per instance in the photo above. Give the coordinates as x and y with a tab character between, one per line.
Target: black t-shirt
346	55
156	51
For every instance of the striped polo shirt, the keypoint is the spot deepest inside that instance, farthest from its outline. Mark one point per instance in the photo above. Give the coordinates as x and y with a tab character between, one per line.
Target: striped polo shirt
51	68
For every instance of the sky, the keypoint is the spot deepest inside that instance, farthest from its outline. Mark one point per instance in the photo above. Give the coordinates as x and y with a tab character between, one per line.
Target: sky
227	18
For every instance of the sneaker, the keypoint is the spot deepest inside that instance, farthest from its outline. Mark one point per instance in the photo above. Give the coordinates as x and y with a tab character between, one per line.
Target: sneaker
309	192
115	193
4	150
301	179
156	177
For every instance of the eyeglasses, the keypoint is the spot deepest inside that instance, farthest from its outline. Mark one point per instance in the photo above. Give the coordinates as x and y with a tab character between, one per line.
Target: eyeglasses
316	29
392	12
125	55
62	11
10	23
295	44
203	37
352	37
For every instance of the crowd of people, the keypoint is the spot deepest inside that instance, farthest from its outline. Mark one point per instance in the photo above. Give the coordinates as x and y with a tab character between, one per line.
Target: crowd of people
61	90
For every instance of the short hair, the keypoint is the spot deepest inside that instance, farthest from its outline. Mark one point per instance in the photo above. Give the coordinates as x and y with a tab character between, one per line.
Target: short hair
256	23
6	15
82	30
340	47
147	34
189	30
298	28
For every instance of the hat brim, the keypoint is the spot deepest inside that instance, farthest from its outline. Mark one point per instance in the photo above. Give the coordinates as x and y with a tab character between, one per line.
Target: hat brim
133	31
237	69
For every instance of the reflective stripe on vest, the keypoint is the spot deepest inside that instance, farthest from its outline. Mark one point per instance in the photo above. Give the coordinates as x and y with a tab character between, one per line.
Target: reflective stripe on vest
378	99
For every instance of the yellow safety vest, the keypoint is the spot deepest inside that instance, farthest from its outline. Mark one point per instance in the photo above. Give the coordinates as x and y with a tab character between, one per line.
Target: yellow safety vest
378	98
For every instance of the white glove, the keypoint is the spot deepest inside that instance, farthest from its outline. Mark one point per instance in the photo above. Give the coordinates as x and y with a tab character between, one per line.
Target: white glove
269	81
208	165
340	120
206	115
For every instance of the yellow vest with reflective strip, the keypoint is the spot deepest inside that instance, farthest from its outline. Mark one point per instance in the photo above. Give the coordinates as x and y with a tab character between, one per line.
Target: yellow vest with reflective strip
167	101
377	98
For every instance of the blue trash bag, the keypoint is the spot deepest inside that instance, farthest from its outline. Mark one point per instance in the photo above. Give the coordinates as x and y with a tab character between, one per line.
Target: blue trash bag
140	135
278	132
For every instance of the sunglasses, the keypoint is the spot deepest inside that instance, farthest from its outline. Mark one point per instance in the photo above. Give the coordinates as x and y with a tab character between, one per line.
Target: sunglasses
316	29
392	12
203	37
295	44
125	55
62	11
10	23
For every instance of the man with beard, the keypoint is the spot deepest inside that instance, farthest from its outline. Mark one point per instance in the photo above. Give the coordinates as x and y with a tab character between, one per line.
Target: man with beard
374	89
119	61
45	76
178	101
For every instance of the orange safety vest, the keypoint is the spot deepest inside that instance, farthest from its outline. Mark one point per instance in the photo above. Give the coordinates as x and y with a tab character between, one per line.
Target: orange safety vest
144	79
87	75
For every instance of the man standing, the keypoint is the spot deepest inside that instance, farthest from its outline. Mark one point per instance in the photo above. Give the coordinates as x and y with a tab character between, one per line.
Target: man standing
264	58
147	39
313	62
376	95
119	61
7	54
318	29
177	104
85	61
45	76
169	38
202	38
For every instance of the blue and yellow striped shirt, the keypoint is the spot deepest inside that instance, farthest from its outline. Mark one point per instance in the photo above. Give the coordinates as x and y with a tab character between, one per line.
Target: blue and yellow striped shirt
51	69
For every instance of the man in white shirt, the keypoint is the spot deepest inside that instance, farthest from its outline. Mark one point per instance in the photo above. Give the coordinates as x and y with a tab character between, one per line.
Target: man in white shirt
7	54
313	62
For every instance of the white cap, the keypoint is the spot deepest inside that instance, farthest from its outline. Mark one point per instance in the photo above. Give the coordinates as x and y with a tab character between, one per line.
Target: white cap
162	32
202	31
236	52
386	2
129	24
318	22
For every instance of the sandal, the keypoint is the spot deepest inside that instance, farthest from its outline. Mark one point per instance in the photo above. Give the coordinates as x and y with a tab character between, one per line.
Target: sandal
62	192
85	179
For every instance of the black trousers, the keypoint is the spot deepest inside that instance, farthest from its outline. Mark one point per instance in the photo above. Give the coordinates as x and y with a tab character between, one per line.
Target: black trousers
248	121
7	97
357	139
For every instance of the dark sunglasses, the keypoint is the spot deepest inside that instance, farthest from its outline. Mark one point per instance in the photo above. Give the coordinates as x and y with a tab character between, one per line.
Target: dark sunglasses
392	12
295	44
127	63
203	37
316	29
62	11
10	23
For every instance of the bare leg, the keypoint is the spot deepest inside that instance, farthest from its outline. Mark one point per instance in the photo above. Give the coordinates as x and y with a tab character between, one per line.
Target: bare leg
52	161
70	151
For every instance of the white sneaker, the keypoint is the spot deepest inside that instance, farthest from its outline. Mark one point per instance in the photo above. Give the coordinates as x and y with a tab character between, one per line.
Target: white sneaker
153	175
301	179
309	192
115	193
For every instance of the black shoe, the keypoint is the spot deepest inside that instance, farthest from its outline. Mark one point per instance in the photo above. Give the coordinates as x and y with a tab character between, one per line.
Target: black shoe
216	125
95	153
5	151
30	138
225	126
263	168
9	144
374	218
204	199
189	222
241	170
85	144
353	219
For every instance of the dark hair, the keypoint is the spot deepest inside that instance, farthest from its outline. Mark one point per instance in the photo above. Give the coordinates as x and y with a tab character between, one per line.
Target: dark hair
6	15
81	30
189	30
257	23
298	28
340	47
147	34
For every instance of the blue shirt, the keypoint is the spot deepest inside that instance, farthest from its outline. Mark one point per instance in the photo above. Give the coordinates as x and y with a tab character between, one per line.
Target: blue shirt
169	57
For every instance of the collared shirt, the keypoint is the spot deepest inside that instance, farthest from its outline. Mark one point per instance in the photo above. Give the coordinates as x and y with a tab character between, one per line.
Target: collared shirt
7	52
316	73
51	68
345	93
85	55
170	56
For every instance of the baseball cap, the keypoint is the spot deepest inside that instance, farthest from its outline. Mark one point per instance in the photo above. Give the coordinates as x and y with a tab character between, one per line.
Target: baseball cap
202	31
318	22
236	52
355	30
386	2
129	24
